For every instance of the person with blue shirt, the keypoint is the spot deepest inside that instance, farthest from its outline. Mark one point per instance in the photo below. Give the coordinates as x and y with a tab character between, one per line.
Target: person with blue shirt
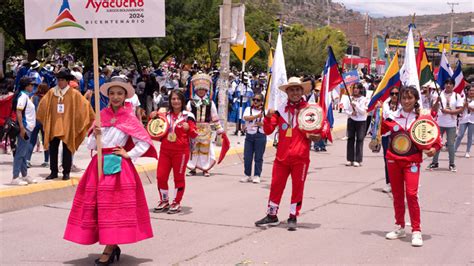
104	101
22	71
34	75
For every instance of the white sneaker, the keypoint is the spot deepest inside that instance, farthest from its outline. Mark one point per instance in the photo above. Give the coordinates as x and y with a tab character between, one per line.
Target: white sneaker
246	179
356	164
19	182
348	163
30	180
345	138
467	155
256	180
387	188
395	234
416	239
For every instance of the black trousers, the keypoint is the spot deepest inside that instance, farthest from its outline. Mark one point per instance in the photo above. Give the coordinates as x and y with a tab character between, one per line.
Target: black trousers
53	157
356	134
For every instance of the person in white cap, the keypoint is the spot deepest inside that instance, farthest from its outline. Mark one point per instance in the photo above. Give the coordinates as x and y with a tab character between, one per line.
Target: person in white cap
205	112
426	90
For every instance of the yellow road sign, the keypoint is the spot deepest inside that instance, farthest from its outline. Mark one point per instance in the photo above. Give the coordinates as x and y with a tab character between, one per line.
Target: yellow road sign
252	49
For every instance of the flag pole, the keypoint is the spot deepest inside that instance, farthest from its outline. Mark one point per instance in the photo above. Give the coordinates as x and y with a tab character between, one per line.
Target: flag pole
432	74
343	81
438	90
269	74
242	84
95	55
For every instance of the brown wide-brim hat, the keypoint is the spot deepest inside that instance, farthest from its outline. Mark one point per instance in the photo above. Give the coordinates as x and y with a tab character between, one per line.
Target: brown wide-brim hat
118	81
296	82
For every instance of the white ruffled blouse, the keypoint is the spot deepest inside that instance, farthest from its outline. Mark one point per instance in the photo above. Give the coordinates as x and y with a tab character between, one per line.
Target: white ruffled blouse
114	137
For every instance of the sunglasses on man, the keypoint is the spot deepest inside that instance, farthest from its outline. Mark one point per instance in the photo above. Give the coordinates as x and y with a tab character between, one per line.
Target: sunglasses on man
393	93
256	100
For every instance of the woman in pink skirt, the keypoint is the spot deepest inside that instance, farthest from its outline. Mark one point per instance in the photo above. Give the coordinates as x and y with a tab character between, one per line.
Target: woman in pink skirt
112	209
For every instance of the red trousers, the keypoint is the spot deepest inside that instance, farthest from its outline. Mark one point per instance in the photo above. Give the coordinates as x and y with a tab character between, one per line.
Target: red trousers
281	170
176	160
404	178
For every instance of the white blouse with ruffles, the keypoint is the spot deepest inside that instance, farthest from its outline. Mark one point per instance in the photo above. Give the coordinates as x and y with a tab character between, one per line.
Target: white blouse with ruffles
114	137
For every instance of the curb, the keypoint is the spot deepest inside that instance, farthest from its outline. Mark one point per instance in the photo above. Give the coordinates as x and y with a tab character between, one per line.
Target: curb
44	193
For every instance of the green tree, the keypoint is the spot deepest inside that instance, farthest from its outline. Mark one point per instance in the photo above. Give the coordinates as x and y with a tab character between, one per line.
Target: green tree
307	53
12	23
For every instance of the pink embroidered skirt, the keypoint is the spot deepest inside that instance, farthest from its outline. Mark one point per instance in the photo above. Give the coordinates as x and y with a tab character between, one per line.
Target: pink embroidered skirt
114	211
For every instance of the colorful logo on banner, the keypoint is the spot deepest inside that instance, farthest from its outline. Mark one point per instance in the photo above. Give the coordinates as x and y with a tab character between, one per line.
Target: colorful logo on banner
65	18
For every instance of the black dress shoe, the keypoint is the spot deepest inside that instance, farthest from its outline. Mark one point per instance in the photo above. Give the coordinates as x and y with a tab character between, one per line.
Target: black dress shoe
66	177
115	254
52	176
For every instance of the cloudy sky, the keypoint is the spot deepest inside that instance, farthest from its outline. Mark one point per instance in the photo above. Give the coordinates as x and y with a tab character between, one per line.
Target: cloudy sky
391	8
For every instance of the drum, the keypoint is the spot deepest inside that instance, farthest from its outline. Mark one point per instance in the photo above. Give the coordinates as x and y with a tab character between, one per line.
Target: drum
424	132
311	118
157	126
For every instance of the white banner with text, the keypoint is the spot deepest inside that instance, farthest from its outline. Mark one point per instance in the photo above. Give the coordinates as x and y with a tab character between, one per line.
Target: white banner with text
85	19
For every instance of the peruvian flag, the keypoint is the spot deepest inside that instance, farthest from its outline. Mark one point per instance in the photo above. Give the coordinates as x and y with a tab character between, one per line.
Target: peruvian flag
459	82
331	79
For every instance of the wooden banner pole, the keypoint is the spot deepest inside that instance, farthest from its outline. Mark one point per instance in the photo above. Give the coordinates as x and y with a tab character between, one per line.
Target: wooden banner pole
95	55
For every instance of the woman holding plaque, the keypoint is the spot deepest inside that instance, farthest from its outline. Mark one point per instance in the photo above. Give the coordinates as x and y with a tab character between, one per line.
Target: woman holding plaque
404	157
111	209
174	152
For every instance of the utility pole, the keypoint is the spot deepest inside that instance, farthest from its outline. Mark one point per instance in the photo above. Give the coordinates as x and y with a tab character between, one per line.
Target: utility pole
452	22
223	82
328	11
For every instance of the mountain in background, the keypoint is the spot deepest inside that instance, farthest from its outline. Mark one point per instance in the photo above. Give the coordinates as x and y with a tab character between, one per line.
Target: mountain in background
314	13
428	25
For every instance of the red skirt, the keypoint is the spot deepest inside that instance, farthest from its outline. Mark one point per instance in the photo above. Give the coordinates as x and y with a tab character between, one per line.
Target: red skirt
112	211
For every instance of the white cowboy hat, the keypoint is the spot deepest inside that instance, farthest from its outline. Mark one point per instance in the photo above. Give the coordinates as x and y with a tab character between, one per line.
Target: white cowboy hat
77	75
118	81
35	64
296	82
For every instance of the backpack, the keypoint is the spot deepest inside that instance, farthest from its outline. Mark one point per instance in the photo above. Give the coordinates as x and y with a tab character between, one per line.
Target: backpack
11	125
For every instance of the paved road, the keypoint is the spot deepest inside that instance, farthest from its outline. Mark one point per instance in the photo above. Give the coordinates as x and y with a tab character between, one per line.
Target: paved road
344	219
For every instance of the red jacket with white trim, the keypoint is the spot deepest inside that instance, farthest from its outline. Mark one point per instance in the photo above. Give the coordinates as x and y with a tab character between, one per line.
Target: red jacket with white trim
399	123
182	137
295	147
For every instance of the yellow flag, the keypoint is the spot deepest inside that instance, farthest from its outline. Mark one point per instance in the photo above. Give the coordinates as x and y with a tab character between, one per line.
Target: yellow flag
270	60
252	48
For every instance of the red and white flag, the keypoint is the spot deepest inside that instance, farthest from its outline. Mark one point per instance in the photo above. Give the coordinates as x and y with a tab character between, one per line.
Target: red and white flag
459	82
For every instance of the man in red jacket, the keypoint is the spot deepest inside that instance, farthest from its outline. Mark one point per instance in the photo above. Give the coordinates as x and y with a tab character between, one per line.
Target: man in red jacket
292	153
